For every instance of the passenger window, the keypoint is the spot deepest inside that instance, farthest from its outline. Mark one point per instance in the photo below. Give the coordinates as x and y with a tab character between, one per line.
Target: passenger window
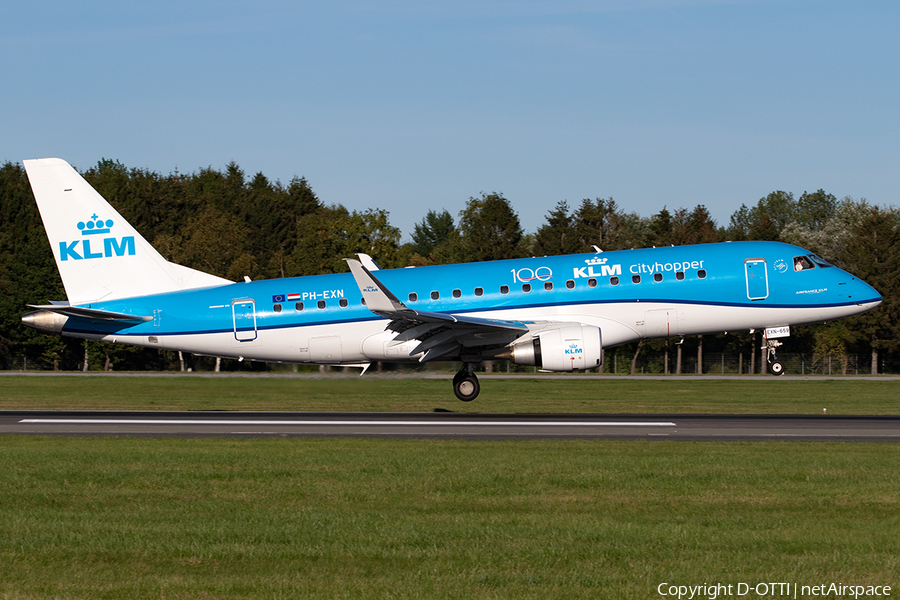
548	285
343	302
613	280
277	308
413	296
526	287
592	282
701	273
362	301
679	275
635	279
657	277
570	284
802	263
504	289
298	307
457	293
479	291
321	304
435	295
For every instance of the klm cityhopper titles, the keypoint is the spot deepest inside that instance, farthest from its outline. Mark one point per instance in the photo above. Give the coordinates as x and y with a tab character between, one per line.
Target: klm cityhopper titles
557	313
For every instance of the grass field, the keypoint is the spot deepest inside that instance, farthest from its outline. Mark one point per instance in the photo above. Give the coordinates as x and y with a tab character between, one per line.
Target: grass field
339	518
370	518
606	395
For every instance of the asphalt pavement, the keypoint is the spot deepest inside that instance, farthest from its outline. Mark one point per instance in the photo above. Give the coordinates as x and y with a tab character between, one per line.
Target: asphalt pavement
453	425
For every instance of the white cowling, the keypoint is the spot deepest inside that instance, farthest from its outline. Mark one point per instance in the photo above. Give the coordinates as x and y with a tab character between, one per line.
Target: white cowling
568	348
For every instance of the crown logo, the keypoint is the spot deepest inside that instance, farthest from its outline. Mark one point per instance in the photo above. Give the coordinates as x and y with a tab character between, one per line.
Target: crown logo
95	226
596	261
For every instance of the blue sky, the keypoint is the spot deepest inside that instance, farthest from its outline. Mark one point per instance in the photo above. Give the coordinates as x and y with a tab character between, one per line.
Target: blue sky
411	106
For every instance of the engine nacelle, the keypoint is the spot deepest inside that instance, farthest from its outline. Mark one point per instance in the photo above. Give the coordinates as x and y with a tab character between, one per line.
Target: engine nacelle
569	348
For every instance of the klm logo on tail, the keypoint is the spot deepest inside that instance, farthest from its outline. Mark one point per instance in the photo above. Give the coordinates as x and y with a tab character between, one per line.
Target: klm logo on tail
112	246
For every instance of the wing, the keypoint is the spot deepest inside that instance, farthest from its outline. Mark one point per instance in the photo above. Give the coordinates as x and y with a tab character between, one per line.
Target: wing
441	334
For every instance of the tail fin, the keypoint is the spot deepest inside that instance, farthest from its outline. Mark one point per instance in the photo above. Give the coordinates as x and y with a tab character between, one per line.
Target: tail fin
99	254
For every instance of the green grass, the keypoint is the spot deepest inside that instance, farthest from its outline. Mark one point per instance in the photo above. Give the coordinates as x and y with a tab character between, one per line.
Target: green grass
342	518
370	518
571	395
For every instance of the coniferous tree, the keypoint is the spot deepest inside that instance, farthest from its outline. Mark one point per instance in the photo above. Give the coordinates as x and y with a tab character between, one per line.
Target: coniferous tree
27	273
662	229
694	227
557	236
600	222
872	254
435	237
765	221
490	229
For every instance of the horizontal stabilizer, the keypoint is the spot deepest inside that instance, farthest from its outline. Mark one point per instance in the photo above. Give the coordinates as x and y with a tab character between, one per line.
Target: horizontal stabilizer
90	313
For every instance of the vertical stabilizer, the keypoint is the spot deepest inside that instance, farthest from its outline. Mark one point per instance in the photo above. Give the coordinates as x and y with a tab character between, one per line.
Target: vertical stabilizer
99	254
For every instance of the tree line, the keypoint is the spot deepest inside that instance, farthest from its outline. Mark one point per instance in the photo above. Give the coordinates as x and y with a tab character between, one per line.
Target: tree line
233	226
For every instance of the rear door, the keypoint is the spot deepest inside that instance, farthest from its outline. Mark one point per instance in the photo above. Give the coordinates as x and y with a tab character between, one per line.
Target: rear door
244	312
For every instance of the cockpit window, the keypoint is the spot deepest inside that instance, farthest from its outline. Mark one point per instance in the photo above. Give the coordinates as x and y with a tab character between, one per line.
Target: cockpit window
802	263
820	261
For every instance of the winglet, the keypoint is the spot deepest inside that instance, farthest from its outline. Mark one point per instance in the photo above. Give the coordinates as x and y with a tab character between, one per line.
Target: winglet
378	298
367	262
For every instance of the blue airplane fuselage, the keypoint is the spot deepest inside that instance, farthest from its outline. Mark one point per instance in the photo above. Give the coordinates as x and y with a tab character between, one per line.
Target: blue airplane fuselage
708	288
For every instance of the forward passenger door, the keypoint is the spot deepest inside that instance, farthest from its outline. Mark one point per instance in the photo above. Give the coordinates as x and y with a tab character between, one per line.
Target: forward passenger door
757	278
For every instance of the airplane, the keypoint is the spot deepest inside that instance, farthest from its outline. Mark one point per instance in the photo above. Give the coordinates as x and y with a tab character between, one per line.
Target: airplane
556	313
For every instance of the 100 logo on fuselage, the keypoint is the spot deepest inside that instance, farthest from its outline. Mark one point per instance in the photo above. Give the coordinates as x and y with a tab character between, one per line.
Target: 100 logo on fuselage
526	274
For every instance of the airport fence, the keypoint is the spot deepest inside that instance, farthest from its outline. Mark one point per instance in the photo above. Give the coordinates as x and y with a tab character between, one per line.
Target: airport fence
723	363
617	362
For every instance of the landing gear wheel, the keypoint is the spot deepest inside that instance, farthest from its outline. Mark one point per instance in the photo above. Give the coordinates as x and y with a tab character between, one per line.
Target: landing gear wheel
466	386
776	367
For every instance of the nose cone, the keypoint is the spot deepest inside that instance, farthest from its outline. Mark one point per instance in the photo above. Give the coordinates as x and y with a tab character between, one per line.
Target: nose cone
44	320
863	294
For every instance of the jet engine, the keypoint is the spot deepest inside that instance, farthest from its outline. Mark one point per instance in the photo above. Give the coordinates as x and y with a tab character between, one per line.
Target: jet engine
568	348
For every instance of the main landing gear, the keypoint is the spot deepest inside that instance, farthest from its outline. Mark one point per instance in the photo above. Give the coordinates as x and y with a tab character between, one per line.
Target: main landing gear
465	384
776	367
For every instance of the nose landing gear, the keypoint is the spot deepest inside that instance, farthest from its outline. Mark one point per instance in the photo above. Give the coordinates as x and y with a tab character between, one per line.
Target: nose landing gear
776	367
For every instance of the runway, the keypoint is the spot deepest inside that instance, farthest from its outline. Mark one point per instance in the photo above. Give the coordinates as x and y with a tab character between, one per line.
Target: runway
454	426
